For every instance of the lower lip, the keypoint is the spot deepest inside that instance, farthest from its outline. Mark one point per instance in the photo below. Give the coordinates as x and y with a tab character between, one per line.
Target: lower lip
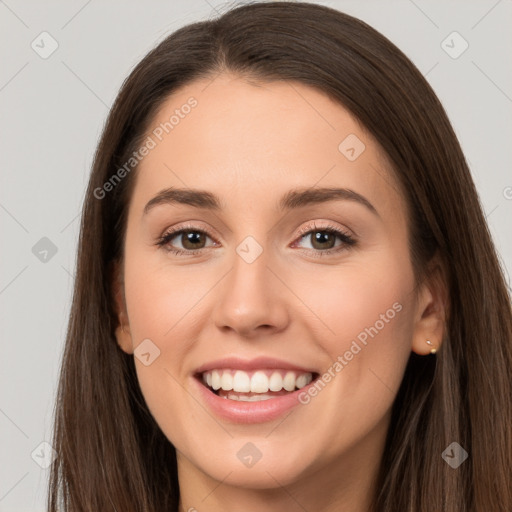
249	412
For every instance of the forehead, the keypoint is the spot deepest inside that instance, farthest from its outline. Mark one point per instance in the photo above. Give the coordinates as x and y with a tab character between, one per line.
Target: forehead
248	140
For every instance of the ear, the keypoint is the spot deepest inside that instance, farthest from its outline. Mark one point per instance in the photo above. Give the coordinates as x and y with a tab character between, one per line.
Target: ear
122	333
431	309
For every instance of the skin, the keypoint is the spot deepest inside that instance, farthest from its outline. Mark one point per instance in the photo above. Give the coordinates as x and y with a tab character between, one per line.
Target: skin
250	143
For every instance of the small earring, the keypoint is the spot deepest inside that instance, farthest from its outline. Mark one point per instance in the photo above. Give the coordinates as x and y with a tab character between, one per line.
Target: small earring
433	349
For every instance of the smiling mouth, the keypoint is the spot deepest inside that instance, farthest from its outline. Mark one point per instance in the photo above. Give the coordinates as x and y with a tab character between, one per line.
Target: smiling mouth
254	386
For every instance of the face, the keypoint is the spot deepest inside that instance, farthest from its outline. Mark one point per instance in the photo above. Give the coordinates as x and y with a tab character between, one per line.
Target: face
289	284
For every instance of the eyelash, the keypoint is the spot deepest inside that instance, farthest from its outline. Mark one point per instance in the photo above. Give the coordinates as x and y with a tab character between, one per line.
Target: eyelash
347	240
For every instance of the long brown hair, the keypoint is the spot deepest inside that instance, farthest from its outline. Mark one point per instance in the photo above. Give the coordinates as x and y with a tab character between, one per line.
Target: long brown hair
111	453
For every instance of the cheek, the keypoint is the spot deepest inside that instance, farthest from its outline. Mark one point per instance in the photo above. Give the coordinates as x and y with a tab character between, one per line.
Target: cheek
361	301
366	325
162	307
161	304
368	343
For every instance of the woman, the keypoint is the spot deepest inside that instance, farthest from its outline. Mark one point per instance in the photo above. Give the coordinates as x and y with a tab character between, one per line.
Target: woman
281	300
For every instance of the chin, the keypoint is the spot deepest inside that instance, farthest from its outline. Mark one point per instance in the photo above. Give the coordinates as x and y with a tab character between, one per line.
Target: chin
275	468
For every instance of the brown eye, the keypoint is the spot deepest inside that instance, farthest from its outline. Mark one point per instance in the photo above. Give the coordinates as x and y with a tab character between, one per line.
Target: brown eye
192	239
323	239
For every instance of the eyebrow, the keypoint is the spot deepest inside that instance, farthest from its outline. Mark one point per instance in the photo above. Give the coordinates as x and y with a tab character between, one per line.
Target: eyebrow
293	199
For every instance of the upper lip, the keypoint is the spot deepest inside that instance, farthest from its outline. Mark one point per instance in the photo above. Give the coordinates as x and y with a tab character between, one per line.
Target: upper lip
259	363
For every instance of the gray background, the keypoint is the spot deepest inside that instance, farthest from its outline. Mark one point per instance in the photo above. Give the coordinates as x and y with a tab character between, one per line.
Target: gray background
52	113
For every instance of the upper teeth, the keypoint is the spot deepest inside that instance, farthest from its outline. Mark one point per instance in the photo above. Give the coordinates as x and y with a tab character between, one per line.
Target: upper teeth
260	381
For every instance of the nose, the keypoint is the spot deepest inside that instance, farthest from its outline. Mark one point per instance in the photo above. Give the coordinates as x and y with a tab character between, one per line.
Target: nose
252	299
